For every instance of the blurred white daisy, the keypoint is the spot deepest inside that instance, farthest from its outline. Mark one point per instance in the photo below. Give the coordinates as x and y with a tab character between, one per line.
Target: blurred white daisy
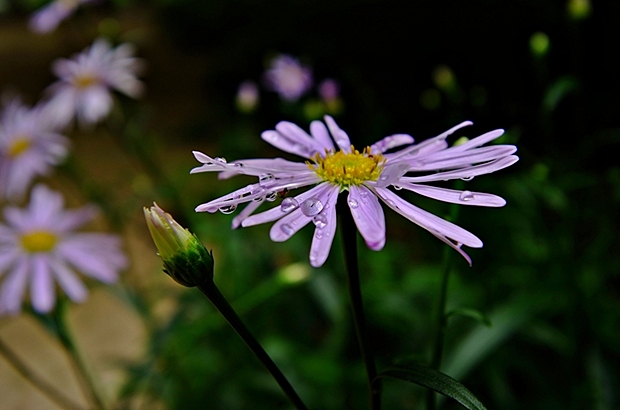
87	79
28	148
39	249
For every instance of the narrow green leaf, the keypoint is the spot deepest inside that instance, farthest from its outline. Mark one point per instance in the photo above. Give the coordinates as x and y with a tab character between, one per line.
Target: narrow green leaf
435	380
472	314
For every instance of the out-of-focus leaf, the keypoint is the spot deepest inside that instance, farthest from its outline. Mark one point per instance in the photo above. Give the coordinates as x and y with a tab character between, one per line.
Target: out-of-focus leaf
472	314
435	380
558	90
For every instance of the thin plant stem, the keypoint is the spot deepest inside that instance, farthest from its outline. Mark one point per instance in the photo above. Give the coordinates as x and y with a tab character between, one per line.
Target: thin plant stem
64	335
221	304
440	329
349	241
38	382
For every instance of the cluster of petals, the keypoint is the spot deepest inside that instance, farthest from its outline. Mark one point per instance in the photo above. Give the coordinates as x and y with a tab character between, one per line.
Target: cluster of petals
86	81
47	18
412	167
288	77
56	258
29	148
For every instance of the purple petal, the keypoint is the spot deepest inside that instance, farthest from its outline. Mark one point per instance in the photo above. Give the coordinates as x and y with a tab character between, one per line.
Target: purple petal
456	197
390	142
41	286
467	172
428	221
479	140
368	216
14	287
247	211
341	137
294	133
324	234
428	146
320	133
448	159
68	281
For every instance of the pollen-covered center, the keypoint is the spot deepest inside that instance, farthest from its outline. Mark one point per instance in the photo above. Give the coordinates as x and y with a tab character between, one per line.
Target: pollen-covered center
18	146
85	80
346	169
38	241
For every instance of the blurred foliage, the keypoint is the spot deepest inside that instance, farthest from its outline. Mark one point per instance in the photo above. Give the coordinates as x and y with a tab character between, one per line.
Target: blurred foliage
548	278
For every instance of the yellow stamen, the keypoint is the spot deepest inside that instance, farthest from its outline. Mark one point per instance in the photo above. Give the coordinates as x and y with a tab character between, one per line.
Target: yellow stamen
38	241
18	147
84	81
346	169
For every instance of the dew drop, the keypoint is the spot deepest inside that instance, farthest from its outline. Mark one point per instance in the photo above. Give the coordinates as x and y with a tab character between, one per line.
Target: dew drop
288	204
259	199
311	207
271	196
263	179
466	196
398	187
238	165
287	229
469	178
221	160
228	209
383	177
353	203
363	193
320	221
318	234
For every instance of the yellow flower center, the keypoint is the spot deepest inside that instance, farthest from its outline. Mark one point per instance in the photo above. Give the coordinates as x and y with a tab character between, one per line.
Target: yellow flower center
38	241
85	81
18	147
346	169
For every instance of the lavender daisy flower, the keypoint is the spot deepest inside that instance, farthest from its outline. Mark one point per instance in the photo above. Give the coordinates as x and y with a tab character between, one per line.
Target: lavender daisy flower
86	81
288	77
38	248
48	17
367	176
28	148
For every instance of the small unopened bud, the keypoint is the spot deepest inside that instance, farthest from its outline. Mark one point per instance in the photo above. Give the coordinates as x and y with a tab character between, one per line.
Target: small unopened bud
185	258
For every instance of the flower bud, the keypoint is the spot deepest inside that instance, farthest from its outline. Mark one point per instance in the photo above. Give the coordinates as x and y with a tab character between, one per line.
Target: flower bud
185	258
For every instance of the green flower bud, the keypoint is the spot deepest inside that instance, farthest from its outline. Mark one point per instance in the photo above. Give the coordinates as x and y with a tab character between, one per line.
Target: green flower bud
185	258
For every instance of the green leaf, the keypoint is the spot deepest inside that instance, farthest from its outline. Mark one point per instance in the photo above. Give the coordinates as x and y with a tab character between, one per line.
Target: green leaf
435	380
558	90
472	314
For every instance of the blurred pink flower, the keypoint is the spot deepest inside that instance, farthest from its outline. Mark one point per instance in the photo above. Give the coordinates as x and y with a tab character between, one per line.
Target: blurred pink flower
367	175
48	17
28	148
288	77
329	89
86	81
39	249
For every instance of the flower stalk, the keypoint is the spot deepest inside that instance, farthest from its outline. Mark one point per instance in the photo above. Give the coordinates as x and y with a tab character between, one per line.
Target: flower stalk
349	241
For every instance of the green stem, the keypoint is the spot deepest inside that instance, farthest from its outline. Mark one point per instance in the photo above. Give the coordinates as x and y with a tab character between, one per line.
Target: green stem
222	305
46	388
80	368
442	319
349	241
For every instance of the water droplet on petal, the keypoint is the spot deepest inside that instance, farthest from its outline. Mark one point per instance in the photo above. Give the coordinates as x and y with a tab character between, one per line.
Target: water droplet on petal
263	179
398	187
271	196
363	193
228	209
466	196
221	160
287	229
383	177
288	204
353	203
238	165
318	234
320	221
469	178
259	199
311	206
391	203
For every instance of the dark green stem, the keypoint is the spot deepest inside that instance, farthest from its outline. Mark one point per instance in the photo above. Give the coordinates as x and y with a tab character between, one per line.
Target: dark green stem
442	318
222	305
349	241
50	391
83	375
